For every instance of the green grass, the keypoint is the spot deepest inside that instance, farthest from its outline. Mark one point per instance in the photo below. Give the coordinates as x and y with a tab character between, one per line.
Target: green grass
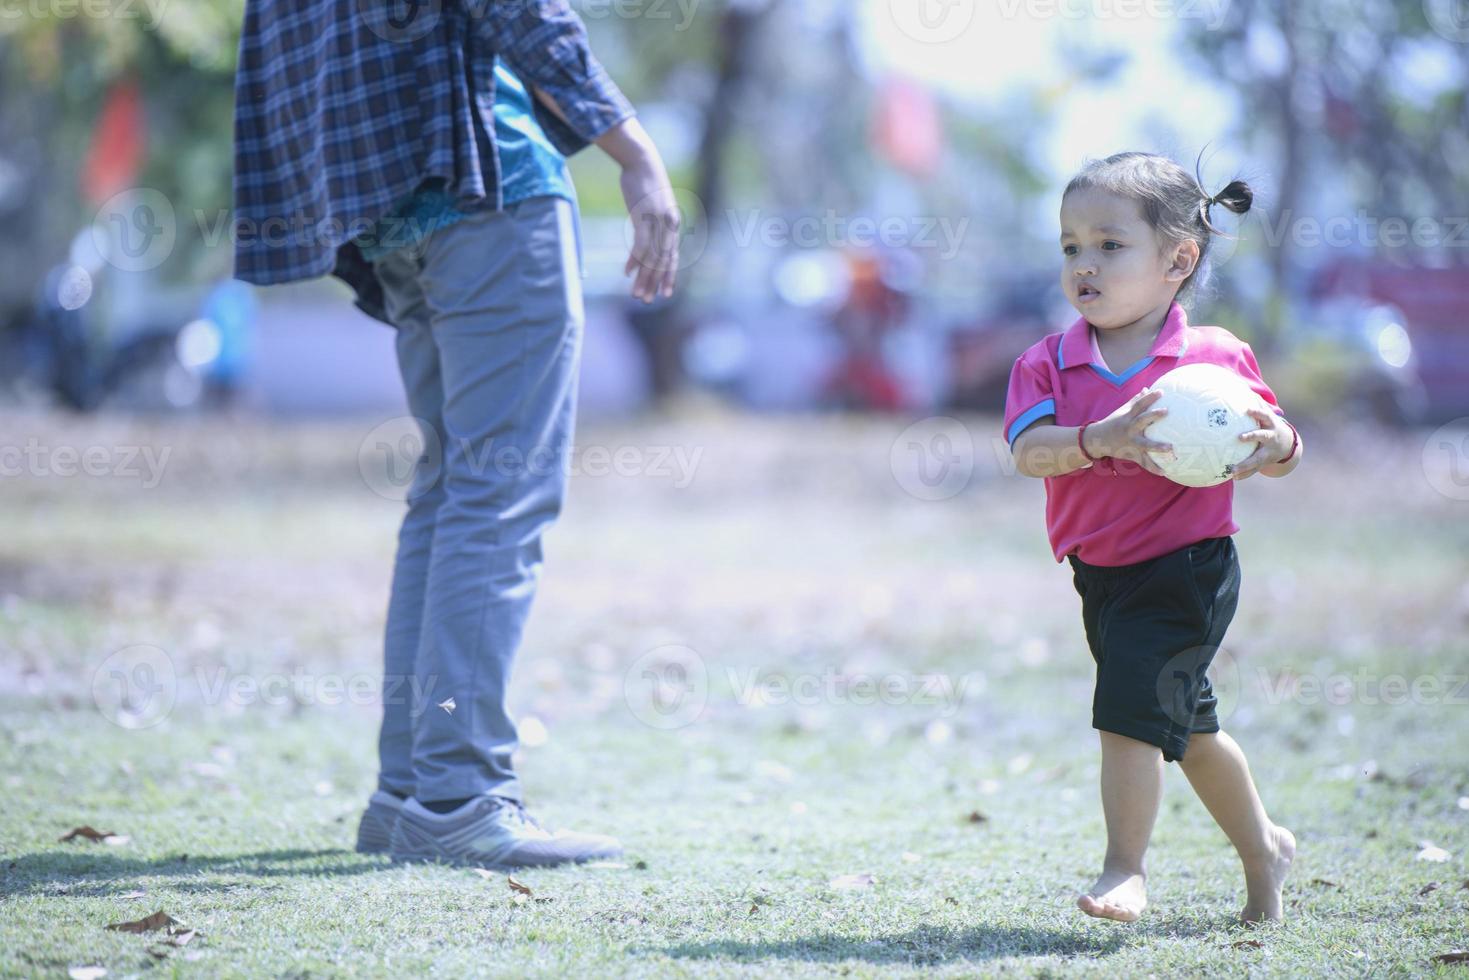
792	554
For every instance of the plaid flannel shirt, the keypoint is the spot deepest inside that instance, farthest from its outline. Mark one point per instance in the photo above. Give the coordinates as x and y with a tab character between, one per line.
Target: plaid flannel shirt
344	107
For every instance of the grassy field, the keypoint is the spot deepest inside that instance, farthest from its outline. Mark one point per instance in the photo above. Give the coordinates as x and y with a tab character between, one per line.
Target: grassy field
790	571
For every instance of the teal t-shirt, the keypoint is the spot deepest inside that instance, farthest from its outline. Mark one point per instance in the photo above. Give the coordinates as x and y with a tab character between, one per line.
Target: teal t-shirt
530	166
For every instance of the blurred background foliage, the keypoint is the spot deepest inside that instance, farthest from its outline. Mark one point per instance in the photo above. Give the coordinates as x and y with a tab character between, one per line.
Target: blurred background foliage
1345	108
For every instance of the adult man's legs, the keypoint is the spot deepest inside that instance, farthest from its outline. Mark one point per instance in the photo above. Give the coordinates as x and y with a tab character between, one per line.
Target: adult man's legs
503	299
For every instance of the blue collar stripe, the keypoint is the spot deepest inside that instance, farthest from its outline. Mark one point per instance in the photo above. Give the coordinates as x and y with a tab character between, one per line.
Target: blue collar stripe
1125	376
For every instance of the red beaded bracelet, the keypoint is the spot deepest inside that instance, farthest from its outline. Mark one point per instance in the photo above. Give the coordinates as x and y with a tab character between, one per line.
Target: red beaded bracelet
1081	443
1295	443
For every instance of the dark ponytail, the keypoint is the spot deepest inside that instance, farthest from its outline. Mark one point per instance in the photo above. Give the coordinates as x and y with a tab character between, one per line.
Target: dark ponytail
1236	196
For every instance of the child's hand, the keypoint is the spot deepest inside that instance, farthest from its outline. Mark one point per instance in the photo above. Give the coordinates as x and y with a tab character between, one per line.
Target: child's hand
1122	434
1275	440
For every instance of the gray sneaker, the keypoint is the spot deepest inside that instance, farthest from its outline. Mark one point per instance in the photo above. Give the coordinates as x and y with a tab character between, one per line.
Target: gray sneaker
494	833
375	832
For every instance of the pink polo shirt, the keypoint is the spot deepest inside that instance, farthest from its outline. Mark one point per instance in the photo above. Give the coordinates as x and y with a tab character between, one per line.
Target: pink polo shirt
1115	512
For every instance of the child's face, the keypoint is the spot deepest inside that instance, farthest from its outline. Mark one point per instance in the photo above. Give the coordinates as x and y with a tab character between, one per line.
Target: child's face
1115	269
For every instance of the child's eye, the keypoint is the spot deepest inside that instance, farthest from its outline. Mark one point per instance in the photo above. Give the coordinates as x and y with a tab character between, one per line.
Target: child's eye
1068	249
1111	246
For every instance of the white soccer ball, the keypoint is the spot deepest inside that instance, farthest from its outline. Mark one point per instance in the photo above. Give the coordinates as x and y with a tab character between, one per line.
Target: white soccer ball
1208	409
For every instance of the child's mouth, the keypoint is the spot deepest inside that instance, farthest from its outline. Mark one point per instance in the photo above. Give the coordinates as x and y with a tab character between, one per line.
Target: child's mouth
1086	294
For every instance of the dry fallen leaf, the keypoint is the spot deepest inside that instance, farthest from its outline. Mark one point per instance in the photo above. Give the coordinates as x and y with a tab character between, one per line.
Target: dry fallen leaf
485	874
1430	887
976	817
1323	881
1453	956
92	834
87	972
176	938
1248	944
150	923
853	881
518	888
134	894
951	900
754	907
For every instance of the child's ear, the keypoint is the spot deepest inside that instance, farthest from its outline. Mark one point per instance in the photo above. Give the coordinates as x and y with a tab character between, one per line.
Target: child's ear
1185	260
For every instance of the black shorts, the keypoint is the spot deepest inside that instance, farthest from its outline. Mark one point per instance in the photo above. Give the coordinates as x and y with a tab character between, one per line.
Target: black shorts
1153	629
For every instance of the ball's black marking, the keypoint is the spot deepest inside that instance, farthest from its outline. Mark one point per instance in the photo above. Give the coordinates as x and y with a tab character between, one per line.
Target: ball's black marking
1218	417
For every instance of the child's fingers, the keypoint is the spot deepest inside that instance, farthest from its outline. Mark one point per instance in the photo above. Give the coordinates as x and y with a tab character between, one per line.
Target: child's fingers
1148	463
1258	435
1146	400
1149	418
1139	425
1251	463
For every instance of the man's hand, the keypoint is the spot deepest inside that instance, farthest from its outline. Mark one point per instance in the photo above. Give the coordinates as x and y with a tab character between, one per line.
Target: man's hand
650	205
655	221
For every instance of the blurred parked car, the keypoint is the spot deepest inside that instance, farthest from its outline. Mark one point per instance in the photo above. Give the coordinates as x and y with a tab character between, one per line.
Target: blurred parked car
1408	328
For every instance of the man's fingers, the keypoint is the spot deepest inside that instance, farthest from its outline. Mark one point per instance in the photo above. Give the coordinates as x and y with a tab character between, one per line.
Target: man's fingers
655	256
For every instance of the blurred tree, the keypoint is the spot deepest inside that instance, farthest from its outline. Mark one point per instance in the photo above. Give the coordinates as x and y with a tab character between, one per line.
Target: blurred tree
58	64
1374	90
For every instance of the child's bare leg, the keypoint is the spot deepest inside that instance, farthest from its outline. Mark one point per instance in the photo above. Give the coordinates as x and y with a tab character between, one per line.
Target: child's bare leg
1218	772
1132	788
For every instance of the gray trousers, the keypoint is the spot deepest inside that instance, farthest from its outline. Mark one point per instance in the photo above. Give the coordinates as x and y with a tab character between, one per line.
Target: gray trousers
489	318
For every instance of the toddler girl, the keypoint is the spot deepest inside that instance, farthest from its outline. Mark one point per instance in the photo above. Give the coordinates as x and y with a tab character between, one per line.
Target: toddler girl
1153	561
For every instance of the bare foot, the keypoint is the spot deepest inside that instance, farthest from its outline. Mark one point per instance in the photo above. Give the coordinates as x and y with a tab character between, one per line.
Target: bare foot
1265	878
1116	895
